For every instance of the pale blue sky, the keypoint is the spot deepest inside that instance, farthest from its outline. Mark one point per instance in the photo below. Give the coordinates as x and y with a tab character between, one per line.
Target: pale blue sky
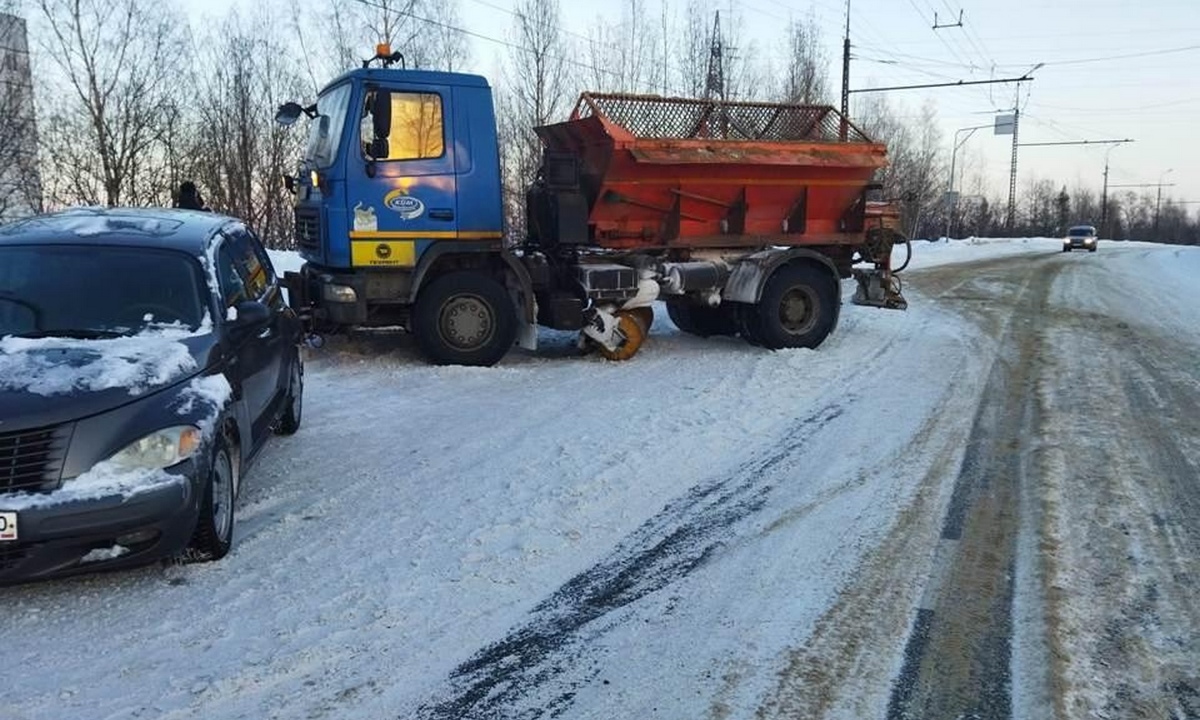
1152	98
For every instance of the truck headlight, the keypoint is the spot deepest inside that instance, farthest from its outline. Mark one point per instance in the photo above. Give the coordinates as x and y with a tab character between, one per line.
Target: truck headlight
339	293
160	449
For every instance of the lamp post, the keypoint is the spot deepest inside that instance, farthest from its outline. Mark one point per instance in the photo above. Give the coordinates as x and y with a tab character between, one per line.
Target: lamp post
952	203
1158	202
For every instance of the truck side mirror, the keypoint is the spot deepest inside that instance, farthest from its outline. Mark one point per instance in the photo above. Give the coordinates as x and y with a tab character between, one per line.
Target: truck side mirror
381	114
379	148
288	113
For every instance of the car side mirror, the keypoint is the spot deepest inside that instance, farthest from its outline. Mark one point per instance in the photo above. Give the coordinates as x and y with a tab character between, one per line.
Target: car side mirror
249	315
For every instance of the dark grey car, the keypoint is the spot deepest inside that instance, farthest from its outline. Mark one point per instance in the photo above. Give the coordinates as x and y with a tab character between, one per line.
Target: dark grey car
146	356
1080	236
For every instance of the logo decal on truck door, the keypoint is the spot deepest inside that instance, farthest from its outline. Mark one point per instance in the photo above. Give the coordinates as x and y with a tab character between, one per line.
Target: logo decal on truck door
408	206
364	219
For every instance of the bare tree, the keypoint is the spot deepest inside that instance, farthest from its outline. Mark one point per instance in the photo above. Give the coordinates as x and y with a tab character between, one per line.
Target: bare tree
240	154
806	74
20	183
534	93
692	65
624	56
118	61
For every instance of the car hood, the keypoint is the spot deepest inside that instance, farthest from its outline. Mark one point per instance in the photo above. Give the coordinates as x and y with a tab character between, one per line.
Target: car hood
48	381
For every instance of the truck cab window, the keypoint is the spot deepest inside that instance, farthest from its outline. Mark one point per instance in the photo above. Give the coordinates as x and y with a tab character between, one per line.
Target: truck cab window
416	130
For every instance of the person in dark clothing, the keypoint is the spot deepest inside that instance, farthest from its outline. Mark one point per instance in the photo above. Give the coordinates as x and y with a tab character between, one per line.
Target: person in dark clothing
189	197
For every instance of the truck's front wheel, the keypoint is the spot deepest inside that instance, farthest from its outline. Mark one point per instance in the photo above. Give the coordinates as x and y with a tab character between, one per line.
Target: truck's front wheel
464	318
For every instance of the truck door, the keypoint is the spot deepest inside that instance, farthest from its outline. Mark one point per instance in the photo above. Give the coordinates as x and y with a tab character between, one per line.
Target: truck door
401	189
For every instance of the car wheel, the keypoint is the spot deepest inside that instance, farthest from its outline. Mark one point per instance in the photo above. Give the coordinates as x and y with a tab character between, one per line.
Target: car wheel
293	406
798	307
1066	249
213	535
1092	249
464	318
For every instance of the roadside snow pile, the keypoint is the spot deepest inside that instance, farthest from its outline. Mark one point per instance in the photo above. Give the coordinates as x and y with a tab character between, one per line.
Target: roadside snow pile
57	366
933	254
285	261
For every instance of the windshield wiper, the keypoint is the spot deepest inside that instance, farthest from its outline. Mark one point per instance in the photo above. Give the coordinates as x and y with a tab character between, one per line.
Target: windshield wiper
75	333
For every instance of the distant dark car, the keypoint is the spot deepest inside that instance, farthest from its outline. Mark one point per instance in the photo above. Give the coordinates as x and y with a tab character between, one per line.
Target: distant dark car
1080	236
146	356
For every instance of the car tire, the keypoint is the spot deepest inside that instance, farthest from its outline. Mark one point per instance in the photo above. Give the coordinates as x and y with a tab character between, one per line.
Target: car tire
798	307
293	404
1066	249
474	296
1091	249
213	535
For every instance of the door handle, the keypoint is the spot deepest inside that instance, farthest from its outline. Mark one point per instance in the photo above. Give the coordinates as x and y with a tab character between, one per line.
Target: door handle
441	214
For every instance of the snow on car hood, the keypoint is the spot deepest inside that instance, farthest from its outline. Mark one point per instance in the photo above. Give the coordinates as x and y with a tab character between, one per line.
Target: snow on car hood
47	381
65	366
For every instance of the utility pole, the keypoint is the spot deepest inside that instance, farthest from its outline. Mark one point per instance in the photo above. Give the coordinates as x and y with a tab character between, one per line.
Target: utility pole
1012	167
844	129
1158	202
1104	194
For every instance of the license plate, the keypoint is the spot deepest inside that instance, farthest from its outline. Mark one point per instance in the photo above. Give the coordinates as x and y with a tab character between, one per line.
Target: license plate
8	526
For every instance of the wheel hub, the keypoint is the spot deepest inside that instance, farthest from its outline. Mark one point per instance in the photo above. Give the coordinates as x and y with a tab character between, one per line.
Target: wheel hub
797	311
466	322
222	496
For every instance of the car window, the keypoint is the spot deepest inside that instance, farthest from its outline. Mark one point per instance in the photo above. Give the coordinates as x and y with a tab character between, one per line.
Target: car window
243	268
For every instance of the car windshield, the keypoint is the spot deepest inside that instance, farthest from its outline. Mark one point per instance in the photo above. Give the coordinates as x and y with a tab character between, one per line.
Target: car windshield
95	292
325	131
1081	231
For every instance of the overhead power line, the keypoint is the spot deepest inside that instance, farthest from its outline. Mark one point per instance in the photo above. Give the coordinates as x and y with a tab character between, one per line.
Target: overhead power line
481	36
1106	58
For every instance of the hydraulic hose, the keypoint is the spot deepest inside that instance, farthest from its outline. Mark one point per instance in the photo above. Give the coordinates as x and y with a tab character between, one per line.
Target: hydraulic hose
907	256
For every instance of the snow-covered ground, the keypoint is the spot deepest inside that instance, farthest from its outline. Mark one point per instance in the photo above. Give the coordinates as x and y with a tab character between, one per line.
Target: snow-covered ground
708	530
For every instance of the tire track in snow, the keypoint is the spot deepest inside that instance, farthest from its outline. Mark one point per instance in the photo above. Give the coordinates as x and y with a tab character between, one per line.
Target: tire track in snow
957	661
677	540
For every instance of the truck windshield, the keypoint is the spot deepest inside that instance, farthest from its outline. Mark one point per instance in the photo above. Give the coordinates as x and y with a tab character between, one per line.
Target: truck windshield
325	132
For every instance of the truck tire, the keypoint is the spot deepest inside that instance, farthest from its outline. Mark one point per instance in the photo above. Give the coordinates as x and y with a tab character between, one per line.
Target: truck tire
701	320
464	318
798	307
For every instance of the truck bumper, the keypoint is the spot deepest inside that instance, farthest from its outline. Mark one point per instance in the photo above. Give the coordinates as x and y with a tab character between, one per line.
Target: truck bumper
328	299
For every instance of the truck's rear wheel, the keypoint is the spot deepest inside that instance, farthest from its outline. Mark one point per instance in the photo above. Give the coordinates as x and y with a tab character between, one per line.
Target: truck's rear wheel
464	318
798	307
702	320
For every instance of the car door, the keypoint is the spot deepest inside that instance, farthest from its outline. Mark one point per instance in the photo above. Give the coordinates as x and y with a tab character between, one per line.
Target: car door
257	355
402	190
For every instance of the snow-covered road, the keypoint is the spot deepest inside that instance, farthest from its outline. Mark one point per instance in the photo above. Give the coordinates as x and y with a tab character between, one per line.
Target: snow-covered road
707	531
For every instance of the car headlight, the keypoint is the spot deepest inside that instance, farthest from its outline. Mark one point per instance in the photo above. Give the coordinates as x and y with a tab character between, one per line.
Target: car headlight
160	449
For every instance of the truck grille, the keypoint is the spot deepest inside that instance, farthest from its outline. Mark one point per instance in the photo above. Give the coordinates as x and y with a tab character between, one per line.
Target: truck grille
31	461
308	229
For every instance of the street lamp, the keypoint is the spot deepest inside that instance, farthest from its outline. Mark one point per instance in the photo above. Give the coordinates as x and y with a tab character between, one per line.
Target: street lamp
1158	202
950	196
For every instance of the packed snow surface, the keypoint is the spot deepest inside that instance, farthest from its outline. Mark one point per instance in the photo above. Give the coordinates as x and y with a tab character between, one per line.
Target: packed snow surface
555	536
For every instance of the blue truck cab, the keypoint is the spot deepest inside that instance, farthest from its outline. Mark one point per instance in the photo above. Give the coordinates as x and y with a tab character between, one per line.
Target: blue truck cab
399	188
